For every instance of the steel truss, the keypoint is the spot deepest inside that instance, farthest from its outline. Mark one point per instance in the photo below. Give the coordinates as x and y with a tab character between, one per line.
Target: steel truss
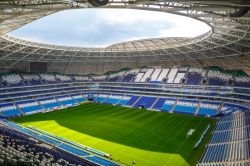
226	44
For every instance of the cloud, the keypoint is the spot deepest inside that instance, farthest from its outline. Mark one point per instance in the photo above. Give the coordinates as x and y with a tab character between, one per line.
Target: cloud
104	27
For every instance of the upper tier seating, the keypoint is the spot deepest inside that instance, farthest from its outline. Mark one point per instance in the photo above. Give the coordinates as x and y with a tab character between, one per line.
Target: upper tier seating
32	79
147	75
81	78
1	83
195	75
171	75
116	77
180	75
242	81
29	106
12	79
63	78
48	78
129	75
177	75
140	74
155	75
218	78
162	75
9	110
100	78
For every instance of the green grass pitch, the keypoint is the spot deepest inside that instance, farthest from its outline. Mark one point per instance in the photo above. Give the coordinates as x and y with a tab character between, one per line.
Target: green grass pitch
149	138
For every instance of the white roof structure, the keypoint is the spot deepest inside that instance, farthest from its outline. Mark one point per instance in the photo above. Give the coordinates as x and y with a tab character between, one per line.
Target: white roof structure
227	44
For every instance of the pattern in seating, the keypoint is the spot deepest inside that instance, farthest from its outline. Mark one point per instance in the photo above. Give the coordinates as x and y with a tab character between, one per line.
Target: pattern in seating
29	106
176	75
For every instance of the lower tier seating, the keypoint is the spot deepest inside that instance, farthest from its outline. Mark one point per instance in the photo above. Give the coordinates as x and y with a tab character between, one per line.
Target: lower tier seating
208	108
186	106
18	149
78	98
49	103
29	106
123	101
165	104
56	148
113	99
66	100
9	110
230	142
132	100
145	101
168	104
159	103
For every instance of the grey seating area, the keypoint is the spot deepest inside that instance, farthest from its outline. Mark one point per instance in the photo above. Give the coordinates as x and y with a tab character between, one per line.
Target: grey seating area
17	149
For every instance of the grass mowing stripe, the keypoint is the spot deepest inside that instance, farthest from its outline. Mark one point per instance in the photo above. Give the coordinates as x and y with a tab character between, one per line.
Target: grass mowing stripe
178	149
147	137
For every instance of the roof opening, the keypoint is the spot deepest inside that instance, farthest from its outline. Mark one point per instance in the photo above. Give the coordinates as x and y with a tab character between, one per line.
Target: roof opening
105	27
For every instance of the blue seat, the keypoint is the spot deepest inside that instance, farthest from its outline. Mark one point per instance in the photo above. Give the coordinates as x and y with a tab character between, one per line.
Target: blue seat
132	100
145	101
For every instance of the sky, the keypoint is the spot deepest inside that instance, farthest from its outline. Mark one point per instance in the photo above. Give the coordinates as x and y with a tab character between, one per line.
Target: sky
104	27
